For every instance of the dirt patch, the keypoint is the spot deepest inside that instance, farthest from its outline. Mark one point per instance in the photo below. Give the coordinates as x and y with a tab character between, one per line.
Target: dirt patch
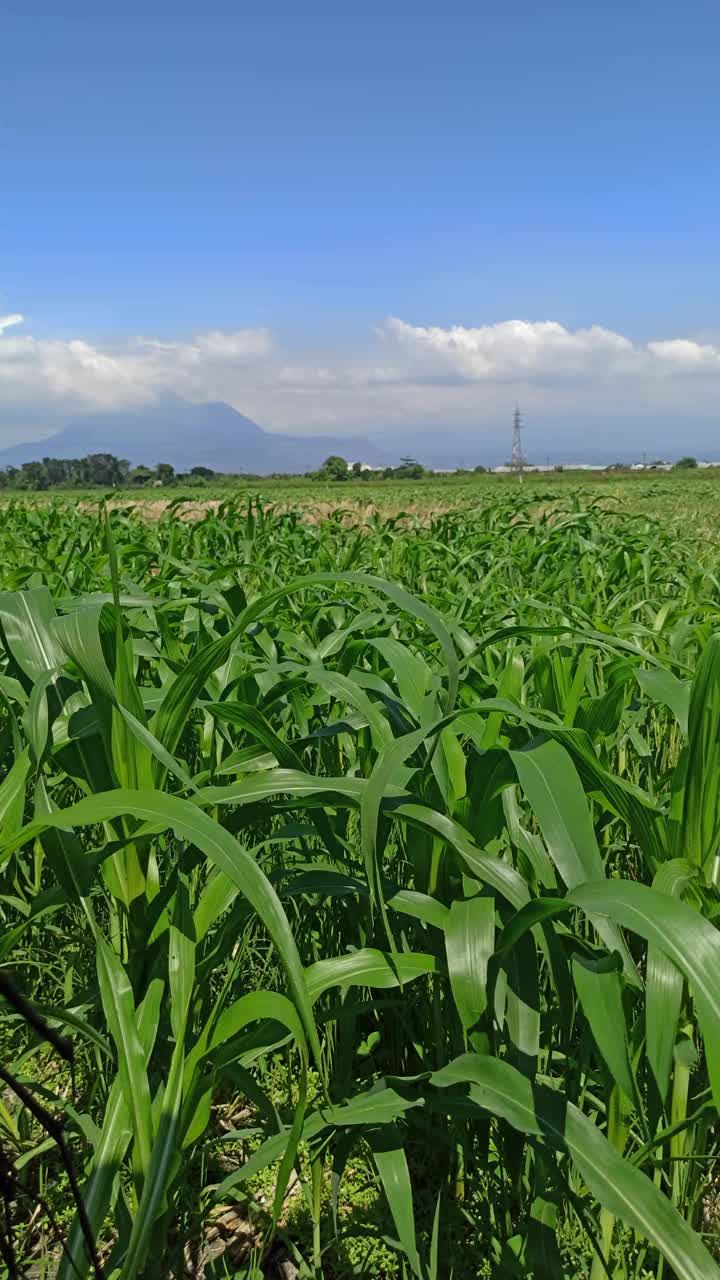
352	515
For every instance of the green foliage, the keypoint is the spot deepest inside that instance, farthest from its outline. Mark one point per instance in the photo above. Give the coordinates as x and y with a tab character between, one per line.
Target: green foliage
334	468
372	870
97	470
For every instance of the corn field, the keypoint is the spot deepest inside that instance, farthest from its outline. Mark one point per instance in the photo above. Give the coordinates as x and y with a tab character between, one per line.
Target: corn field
358	894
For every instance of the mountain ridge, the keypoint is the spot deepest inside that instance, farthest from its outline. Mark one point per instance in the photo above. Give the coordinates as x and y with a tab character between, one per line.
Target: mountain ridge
189	435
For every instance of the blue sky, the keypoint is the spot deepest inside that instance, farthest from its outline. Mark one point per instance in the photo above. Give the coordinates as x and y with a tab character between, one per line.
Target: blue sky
230	200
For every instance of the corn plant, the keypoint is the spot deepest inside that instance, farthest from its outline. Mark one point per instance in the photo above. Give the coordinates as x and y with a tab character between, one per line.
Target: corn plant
388	847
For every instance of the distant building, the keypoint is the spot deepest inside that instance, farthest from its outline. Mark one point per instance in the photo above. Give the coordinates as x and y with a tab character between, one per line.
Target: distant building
546	467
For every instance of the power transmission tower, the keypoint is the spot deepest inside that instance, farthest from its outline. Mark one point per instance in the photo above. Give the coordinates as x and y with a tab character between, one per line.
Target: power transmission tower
518	459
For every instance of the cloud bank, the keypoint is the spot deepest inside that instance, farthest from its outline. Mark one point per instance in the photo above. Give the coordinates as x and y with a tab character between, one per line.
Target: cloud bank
545	351
407	375
41	371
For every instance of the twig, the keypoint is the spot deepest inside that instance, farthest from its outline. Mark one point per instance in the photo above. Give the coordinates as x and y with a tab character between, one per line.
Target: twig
54	1128
62	1044
7	1190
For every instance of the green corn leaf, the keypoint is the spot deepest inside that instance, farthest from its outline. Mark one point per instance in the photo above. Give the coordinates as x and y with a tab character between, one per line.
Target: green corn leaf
191	824
253	722
78	634
12	795
119	1007
689	941
469	944
421	906
550	782
27	619
700	830
156	1184
664	983
378	1106
599	986
392	1167
621	1188
664	687
181	959
389	759
368	968
488	869
108	1154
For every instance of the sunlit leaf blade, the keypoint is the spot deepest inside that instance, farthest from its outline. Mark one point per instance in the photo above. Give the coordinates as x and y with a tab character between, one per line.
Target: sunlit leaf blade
498	1088
469	944
219	846
689	941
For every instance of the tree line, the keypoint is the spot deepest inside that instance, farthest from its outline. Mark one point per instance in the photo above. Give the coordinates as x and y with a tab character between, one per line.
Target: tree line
97	470
105	471
337	468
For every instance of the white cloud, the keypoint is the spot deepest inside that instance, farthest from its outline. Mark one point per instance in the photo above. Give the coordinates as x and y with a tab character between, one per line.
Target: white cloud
680	354
543	351
456	376
79	374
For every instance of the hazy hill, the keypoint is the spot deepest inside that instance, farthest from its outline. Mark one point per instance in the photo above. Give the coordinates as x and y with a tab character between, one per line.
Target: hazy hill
188	435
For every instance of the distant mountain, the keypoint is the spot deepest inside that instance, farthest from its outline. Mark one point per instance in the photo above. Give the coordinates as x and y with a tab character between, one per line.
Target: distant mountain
192	435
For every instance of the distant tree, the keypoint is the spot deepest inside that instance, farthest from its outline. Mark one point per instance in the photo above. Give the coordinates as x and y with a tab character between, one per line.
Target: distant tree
409	469
357	469
57	470
77	472
480	469
105	470
558	467
32	475
684	464
141	475
334	468
165	472
205	473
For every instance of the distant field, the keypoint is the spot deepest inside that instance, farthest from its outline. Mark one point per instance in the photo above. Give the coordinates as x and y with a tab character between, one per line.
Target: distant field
688	496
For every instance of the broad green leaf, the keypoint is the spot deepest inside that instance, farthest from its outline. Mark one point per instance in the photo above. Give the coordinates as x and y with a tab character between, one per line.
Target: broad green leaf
689	941
497	1087
181	959
226	853
700	832
662	686
377	1106
469	944
119	1007
389	759
108	1154
368	968
392	1167
155	1186
550	781
599	986
27	619
664	983
12	795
